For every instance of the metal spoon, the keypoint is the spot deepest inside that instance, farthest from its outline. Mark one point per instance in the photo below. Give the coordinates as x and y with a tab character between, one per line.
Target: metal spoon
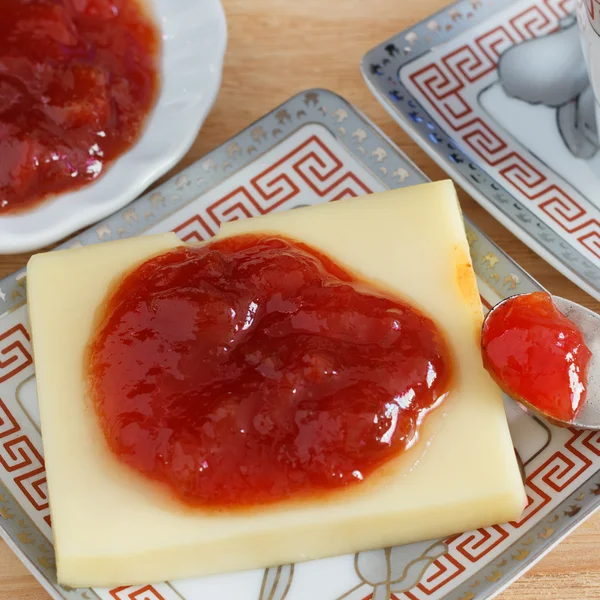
588	323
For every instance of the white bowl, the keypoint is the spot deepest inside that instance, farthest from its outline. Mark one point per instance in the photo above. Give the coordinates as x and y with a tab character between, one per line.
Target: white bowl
194	34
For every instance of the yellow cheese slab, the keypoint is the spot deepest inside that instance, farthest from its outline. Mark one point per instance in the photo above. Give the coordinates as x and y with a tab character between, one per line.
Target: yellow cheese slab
111	527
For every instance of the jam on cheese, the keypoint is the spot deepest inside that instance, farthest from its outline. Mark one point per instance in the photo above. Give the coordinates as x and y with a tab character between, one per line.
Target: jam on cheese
537	355
254	368
77	80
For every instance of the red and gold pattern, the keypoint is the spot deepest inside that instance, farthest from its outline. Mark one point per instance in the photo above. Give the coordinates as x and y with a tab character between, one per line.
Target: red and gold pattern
14	353
145	592
316	166
444	83
309	170
20	460
560	470
593	9
194	229
8	424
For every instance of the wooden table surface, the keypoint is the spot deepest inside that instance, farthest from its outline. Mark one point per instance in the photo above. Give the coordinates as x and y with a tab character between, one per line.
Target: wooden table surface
276	49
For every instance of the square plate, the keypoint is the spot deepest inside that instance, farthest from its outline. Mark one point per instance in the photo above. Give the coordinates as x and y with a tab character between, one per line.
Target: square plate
522	140
314	148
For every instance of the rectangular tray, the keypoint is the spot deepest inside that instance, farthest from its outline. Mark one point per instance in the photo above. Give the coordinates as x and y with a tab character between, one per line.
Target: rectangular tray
314	148
440	81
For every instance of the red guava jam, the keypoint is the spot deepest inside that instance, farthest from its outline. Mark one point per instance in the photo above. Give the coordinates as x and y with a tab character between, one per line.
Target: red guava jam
537	355
77	80
254	369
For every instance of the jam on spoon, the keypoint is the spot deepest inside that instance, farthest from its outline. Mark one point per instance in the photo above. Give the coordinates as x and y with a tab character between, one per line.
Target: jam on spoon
537	355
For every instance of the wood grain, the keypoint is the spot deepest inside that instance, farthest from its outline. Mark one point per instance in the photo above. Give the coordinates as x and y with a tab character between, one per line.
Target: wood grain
276	49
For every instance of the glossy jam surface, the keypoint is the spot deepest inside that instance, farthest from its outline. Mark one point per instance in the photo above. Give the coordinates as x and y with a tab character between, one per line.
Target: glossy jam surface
537	355
254	369
77	80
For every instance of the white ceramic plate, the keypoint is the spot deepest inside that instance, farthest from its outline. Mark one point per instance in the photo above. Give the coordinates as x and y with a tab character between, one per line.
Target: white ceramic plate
194	34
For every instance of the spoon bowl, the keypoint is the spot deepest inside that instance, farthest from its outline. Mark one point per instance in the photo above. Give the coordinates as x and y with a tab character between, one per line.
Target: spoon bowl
588	322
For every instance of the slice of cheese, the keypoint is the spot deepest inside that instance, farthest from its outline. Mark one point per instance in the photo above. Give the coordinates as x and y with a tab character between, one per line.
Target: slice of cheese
111	527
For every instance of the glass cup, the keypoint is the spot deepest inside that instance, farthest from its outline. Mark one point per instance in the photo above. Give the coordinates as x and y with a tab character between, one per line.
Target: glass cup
588	16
